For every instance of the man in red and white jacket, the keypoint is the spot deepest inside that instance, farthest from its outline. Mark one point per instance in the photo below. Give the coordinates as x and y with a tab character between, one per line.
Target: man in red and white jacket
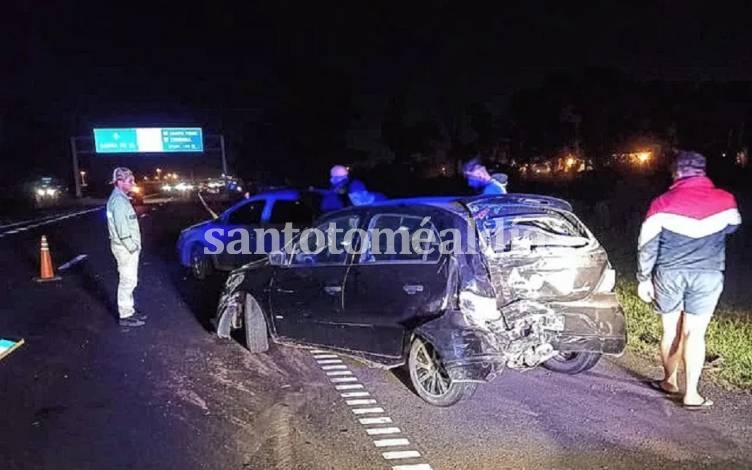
681	259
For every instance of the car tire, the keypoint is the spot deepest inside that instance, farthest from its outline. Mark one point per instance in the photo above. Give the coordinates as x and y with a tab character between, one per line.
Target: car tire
429	378
572	362
201	264
254	323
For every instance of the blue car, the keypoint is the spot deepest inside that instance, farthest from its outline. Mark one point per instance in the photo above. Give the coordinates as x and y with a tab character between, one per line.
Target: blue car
267	210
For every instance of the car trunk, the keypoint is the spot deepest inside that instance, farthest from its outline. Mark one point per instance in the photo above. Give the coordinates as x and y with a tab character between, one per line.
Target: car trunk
536	250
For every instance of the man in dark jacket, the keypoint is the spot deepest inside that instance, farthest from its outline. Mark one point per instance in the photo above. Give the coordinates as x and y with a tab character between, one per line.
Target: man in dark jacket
481	180
681	259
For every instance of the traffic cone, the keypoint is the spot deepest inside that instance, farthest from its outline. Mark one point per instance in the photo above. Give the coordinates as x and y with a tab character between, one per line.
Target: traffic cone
46	271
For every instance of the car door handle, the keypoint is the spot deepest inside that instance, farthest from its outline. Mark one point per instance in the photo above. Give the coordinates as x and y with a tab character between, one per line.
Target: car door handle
412	289
331	290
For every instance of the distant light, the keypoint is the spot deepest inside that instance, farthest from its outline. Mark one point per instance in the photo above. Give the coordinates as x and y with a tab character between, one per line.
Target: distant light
239	188
167	188
723	154
146	178
83	173
136	190
40	192
643	157
570	161
159	170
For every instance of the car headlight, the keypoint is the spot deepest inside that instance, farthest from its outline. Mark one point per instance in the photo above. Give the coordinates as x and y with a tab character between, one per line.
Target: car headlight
50	191
479	307
41	192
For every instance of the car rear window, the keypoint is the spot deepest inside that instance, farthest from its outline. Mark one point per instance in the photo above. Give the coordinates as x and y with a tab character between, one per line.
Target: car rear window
395	233
529	230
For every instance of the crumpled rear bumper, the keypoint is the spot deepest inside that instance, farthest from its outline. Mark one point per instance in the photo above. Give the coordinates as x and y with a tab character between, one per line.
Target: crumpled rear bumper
472	351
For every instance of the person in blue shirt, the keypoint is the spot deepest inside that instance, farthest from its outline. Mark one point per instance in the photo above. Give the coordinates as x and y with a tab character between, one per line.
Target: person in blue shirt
481	180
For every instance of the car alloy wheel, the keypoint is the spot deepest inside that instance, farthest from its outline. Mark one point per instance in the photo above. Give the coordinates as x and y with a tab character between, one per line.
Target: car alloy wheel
200	263
430	378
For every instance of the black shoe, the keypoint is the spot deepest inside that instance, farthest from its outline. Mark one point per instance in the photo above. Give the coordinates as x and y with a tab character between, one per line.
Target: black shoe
131	321
139	315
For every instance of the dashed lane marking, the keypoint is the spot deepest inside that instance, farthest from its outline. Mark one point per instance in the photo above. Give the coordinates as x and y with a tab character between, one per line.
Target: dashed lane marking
365	411
338	372
348	386
361	402
379	420
401	454
401	441
384	437
337	380
383	431
354	394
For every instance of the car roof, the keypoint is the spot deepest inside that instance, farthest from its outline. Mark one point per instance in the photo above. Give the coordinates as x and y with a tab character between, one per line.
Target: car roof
461	204
287	194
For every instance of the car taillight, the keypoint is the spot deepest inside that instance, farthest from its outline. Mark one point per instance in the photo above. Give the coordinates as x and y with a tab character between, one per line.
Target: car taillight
608	280
479	307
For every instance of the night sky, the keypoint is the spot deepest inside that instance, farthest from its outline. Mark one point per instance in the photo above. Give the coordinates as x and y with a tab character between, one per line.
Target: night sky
69	66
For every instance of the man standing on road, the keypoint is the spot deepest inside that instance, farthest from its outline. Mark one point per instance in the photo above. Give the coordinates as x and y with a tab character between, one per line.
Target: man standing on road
681	259
125	242
478	178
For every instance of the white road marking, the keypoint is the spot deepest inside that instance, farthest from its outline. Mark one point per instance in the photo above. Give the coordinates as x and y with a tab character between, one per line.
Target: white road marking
382	431
11	232
354	394
401	454
379	420
366	411
391	442
359	402
318	351
338	372
70	263
348	386
337	380
22	229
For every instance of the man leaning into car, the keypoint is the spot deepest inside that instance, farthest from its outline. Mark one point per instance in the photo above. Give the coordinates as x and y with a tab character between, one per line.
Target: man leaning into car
125	243
681	259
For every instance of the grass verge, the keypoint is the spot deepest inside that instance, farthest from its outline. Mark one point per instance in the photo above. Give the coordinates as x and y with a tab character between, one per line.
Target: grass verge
729	337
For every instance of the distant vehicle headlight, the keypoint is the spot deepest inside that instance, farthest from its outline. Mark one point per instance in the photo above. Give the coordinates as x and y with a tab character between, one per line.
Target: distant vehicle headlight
167	188
239	188
51	191
41	192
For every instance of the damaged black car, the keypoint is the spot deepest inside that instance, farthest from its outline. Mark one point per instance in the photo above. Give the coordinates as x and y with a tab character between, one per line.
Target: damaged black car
524	284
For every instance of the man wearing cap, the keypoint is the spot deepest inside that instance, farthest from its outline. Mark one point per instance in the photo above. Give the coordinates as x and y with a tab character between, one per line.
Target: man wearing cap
125	243
479	179
681	259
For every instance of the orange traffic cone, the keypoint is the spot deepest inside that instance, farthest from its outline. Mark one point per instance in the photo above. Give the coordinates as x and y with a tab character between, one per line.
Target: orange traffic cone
46	271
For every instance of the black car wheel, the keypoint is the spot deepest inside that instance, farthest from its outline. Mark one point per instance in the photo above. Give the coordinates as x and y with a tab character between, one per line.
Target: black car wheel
572	362
431	380
201	264
256	333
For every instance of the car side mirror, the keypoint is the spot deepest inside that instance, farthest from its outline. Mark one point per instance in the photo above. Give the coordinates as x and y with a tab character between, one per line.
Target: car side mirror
277	258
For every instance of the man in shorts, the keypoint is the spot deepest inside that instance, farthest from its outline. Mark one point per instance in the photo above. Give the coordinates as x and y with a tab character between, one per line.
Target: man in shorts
681	259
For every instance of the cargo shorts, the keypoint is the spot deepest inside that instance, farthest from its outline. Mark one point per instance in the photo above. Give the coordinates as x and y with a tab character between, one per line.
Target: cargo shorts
693	292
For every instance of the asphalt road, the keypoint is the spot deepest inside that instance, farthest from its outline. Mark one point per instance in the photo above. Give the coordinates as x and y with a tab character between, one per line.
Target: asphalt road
84	393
